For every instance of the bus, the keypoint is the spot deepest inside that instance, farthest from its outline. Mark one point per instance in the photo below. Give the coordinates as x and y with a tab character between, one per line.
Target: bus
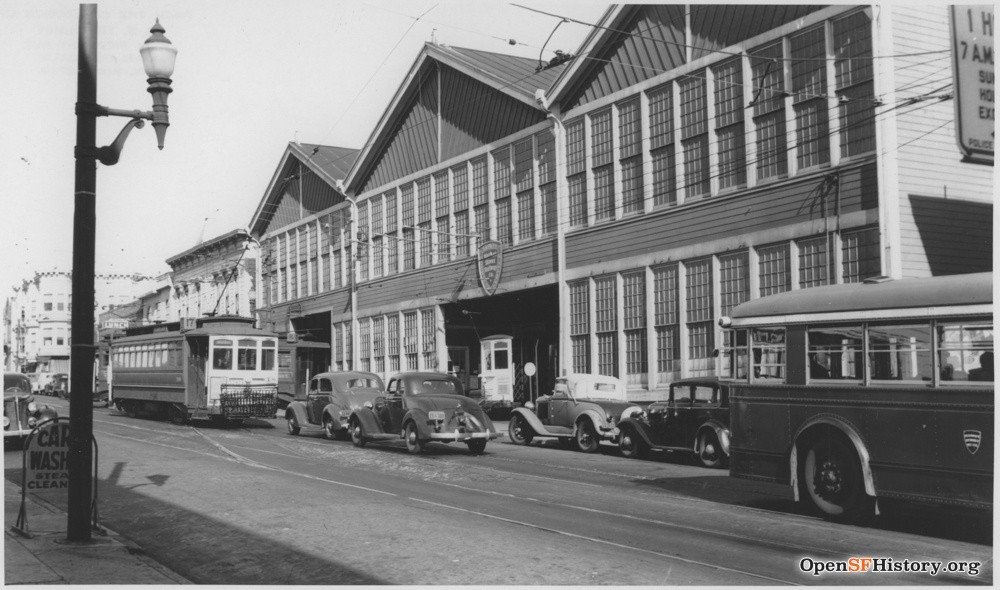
213	367
851	393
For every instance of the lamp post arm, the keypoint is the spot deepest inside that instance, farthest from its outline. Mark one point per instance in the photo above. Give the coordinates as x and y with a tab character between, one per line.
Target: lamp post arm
92	108
109	154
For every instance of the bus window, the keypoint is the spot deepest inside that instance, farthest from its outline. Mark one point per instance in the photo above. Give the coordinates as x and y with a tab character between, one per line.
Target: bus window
835	353
734	354
246	355
965	351
222	355
768	345
900	353
267	356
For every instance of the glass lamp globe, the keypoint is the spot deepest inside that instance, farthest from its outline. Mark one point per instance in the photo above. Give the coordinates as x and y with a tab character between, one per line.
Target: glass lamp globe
158	54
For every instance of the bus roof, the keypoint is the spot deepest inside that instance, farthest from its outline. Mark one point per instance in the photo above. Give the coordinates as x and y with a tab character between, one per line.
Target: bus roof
884	299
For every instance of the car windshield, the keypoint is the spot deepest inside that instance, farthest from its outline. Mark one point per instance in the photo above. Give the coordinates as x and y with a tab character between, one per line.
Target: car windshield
436	386
597	390
16	384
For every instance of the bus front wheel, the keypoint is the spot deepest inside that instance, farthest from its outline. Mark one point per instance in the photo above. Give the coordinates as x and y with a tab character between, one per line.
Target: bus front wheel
830	478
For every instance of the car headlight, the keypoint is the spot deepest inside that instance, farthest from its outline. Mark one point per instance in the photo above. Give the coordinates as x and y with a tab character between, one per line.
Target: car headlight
32	421
6	421
435	415
32	407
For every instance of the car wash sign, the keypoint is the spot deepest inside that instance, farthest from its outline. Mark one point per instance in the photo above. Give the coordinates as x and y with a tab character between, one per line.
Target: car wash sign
46	457
490	266
972	49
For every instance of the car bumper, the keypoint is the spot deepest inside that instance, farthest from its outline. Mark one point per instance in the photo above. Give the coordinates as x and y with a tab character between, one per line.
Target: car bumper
463	436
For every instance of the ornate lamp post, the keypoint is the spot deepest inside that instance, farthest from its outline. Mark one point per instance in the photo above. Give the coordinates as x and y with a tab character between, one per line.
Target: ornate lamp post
158	60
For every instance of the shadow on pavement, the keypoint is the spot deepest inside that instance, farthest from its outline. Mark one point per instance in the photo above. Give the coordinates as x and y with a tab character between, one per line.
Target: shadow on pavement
203	549
944	522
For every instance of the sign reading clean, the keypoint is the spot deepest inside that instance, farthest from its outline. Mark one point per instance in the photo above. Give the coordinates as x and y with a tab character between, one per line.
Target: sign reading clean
972	49
47	457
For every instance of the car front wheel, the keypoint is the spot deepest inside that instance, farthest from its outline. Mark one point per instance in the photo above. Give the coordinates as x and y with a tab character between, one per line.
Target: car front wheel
357	434
330	430
413	442
519	431
477	446
708	450
293	424
586	437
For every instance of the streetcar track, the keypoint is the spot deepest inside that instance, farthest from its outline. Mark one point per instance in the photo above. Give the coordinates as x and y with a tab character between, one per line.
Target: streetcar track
674	500
606	542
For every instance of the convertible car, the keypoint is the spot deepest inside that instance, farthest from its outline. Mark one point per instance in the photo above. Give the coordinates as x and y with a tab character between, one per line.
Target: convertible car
421	408
582	408
330	400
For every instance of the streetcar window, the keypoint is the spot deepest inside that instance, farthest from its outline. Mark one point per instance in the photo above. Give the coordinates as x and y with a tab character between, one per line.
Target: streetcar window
835	353
734	354
900	353
267	358
768	347
965	351
222	355
246	355
164	362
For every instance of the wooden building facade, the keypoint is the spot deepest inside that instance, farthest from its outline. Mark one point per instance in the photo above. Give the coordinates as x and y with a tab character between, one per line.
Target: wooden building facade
692	158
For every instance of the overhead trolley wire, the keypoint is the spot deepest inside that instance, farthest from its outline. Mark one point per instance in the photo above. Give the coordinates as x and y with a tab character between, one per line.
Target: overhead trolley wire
722	51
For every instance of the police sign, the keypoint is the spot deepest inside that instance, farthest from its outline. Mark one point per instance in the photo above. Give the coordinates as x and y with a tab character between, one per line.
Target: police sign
972	51
46	457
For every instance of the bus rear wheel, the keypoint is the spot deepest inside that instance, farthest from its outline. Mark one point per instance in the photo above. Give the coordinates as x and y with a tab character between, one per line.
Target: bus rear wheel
830	478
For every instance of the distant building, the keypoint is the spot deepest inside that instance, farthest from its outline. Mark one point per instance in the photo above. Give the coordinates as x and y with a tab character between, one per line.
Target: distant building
217	276
37	316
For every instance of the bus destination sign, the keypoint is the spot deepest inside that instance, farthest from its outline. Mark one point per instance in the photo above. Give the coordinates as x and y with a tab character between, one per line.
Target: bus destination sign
972	50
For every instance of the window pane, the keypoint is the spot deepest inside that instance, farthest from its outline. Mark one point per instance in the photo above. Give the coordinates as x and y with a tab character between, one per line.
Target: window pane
734	288
900	353
768	351
629	130
526	215
222	358
575	148
501	173
579	306
661	116
504	227
835	353
604	193
578	200
861	255
632	184
813	263
600	136
773	265
604	304
664	181
965	351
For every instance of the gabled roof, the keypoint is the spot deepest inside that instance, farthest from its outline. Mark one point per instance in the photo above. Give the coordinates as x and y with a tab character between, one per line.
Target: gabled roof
508	74
568	76
229	235
330	163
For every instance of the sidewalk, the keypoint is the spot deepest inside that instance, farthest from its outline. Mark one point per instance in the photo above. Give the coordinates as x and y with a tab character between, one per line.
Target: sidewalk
47	558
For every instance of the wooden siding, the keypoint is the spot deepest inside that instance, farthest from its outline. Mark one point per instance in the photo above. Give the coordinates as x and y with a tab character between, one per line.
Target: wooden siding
750	211
299	193
929	161
651	42
443	283
718	27
474	114
413	142
946	236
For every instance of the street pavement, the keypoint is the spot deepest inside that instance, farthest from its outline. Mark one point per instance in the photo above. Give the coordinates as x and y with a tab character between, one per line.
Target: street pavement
280	509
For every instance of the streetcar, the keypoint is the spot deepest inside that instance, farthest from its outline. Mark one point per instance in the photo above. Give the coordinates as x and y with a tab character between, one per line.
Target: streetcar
851	393
220	368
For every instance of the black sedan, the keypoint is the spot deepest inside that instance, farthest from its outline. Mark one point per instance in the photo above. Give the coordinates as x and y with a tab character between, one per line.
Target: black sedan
694	418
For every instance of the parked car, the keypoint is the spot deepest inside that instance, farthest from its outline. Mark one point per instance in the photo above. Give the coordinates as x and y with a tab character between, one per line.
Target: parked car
330	400
694	418
582	408
422	407
21	413
58	386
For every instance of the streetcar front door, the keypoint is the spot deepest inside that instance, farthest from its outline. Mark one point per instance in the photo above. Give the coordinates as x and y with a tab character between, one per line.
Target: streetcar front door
197	359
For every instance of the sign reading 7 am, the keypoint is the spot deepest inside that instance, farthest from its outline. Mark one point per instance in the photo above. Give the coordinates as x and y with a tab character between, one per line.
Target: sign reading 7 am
972	50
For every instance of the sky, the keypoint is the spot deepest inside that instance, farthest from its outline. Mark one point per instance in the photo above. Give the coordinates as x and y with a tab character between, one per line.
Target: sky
250	77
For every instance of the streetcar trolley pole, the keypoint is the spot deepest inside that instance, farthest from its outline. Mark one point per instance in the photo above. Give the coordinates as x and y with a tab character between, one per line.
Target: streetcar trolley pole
49	469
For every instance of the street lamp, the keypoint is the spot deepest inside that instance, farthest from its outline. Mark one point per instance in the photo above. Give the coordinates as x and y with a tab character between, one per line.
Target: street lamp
158	57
